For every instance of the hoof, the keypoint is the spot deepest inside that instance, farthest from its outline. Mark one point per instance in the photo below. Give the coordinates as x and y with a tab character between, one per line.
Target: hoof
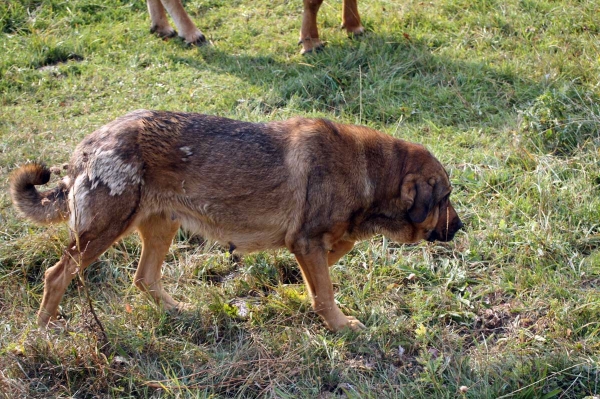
163	33
355	32
197	39
316	49
343	322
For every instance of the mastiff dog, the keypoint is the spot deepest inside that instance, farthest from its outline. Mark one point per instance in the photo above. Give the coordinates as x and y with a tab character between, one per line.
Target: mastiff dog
312	186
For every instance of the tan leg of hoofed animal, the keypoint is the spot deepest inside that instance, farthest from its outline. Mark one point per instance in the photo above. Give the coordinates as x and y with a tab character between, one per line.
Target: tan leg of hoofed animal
315	271
187	30
351	18
157	232
309	33
158	16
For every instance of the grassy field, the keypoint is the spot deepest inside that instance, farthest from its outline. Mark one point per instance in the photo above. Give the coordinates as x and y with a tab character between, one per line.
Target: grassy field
504	93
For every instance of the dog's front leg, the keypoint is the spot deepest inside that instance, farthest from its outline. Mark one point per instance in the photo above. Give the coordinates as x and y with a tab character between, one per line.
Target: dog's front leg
315	270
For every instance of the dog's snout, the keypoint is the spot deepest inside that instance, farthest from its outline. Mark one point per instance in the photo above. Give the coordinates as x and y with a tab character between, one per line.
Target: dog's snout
446	232
456	225
433	236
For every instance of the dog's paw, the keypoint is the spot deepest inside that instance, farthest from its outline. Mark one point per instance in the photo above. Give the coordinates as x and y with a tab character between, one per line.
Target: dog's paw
183	307
344	321
354	324
52	325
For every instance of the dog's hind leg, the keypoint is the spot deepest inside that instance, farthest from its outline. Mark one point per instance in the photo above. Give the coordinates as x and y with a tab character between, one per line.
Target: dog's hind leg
97	220
84	249
57	278
157	232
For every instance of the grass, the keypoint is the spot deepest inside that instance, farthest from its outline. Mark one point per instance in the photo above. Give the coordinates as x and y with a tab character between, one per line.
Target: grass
504	93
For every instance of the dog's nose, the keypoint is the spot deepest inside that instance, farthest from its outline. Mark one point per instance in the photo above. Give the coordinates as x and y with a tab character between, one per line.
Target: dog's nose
432	236
460	225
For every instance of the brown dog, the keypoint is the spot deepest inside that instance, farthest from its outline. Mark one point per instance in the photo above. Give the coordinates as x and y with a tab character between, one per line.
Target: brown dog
309	34
310	185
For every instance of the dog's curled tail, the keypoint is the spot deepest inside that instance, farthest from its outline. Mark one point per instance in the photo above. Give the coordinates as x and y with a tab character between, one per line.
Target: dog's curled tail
42	207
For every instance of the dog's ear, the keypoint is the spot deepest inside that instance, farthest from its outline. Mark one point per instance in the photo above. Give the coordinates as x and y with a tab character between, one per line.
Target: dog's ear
417	195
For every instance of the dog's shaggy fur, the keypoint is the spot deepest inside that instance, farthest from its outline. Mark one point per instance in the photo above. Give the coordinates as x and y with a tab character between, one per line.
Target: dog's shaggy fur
310	185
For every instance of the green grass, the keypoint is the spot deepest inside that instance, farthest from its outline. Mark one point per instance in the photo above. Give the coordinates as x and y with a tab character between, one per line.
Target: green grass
504	93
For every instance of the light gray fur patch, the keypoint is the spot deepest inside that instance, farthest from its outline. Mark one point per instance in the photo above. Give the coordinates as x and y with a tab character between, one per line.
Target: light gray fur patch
187	151
105	166
368	188
77	204
67	181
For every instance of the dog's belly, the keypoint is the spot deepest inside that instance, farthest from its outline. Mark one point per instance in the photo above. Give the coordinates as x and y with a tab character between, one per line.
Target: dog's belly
250	216
242	238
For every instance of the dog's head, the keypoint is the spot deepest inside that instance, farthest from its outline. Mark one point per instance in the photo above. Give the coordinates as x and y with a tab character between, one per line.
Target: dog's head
423	200
425	193
429	210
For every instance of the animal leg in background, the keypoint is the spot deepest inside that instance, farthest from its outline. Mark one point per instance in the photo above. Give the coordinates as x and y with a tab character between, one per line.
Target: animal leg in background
309	33
160	25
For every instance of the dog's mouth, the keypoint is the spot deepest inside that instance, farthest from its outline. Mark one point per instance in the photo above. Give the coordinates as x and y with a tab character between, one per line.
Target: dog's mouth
446	234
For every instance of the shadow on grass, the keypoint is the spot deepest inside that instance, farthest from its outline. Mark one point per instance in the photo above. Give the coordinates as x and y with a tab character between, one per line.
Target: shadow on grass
382	79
